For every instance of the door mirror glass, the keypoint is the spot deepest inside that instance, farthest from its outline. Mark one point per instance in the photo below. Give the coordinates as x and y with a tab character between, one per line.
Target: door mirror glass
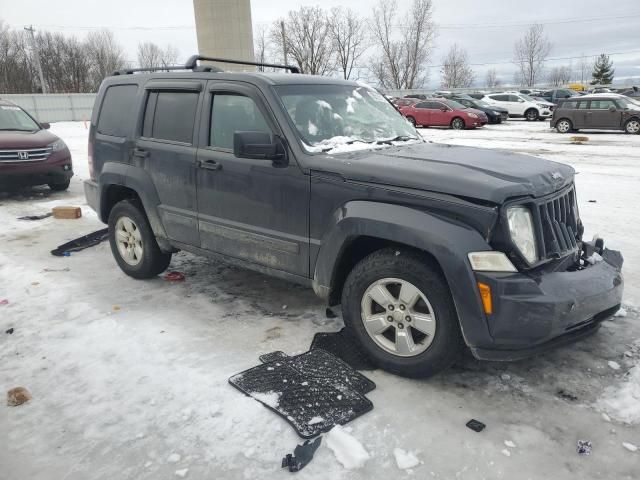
45	125
258	146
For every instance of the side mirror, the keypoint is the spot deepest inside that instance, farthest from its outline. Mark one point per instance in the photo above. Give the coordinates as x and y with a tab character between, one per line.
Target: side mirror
45	125
258	146
444	109
612	108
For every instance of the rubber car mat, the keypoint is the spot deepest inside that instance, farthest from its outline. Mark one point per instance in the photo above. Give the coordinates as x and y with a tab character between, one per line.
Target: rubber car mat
308	405
81	243
344	347
325	368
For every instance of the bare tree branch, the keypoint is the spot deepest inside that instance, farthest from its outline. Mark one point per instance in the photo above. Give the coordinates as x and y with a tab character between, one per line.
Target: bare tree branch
530	54
456	72
348	38
492	78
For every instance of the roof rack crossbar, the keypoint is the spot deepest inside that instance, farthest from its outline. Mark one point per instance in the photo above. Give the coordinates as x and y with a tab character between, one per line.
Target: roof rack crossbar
193	63
130	71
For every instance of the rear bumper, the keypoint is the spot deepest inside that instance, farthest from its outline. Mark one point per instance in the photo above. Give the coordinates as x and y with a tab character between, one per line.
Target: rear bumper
534	314
92	194
58	168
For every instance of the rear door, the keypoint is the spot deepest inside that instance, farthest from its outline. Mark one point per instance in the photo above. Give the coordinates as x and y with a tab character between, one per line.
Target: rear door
603	114
422	113
579	115
166	150
440	114
249	209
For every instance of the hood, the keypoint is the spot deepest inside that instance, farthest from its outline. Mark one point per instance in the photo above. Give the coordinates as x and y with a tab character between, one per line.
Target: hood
18	139
478	173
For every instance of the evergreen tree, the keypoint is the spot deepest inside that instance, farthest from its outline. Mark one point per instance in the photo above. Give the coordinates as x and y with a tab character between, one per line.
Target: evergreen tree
602	70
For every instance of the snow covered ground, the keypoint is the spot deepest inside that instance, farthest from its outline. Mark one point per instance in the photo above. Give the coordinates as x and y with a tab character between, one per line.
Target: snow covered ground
129	378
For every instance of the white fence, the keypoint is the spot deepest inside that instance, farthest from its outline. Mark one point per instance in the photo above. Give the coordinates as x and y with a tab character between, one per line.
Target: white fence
55	107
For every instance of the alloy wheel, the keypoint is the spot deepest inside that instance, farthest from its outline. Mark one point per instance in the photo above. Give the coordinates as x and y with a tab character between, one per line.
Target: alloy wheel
457	124
398	317
633	126
129	241
563	126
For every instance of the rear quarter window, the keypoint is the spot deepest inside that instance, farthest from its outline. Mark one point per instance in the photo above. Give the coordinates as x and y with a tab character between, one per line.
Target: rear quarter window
170	115
118	110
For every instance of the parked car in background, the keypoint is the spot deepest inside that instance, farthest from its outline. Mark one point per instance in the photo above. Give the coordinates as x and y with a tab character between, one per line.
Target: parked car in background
600	90
598	111
533	93
494	113
542	102
439	112
403	102
519	105
633	92
420	96
29	154
554	96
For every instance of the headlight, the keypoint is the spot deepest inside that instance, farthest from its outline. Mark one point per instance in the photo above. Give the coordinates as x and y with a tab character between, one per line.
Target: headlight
522	233
496	113
490	261
542	105
58	145
472	115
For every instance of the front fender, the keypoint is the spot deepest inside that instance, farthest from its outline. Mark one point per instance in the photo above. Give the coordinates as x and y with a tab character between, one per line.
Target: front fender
445	239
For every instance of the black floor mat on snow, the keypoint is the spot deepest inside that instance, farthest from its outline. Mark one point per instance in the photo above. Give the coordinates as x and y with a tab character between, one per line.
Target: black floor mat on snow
313	391
81	243
344	347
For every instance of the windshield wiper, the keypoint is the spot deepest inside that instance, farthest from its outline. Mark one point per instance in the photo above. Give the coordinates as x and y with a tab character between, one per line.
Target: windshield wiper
399	138
15	130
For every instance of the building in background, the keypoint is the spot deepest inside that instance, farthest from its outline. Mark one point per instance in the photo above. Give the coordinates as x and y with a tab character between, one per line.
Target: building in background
224	30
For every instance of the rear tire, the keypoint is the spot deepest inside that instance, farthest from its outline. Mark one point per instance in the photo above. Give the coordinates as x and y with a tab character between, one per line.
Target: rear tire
632	126
133	243
564	125
60	187
412	353
531	115
458	124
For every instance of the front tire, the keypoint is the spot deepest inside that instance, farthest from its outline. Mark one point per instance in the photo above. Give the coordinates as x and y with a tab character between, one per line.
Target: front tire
531	115
632	126
397	304
458	124
60	187
564	125
133	243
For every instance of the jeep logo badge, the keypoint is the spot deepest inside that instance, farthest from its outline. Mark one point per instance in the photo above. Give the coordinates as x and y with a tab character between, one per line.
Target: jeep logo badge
23	155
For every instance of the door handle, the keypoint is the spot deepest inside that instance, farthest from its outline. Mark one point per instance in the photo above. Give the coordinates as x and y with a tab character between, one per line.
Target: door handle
139	152
209	165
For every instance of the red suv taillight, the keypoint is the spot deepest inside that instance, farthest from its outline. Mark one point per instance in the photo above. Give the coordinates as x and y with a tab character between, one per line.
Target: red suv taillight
92	173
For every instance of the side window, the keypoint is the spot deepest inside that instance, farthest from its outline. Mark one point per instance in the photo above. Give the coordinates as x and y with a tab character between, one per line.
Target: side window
583	105
601	104
118	110
514	98
170	115
422	105
233	113
500	98
569	105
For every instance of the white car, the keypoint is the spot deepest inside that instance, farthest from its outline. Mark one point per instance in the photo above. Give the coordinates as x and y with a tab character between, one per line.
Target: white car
519	105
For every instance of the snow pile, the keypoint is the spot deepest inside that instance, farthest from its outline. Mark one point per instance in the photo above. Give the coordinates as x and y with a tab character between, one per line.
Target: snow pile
630	446
271	399
347	449
405	459
623	403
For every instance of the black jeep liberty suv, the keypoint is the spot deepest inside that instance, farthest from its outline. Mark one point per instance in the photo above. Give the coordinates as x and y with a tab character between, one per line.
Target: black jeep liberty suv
427	247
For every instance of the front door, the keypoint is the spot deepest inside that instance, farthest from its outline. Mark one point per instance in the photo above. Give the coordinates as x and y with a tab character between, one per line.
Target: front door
166	151
249	209
603	114
422	114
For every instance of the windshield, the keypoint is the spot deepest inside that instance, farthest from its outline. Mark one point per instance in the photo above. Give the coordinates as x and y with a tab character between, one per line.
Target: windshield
330	117
455	105
482	103
528	98
629	103
13	118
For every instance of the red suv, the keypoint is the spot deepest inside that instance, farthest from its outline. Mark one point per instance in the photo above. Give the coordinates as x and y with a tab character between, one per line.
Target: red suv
29	154
439	112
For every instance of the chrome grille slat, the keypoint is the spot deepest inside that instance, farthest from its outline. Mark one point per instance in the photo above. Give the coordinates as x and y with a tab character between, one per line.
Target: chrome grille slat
35	154
558	224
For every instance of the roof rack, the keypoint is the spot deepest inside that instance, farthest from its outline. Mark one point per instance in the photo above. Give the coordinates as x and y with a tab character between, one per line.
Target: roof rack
192	63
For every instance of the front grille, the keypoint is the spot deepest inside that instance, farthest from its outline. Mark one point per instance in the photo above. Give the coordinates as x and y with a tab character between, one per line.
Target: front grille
24	155
558	219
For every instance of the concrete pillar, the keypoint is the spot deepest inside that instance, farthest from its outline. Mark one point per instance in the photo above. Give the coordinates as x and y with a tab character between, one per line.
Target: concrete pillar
224	30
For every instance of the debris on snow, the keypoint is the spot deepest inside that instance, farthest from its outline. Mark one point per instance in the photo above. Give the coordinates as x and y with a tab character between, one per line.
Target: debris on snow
18	396
505	376
9	331
174	276
630	446
506	453
174	458
613	365
509	444
36	217
475	425
4	302
347	449
567	395
182	472
405	459
302	455
584	447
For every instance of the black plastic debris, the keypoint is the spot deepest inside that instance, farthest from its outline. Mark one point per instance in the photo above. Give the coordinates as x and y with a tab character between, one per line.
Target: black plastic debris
567	395
584	447
593	201
36	217
476	425
343	346
81	243
10	331
302	455
313	392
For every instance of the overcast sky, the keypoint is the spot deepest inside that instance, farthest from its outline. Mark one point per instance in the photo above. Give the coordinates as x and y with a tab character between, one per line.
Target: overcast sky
486	29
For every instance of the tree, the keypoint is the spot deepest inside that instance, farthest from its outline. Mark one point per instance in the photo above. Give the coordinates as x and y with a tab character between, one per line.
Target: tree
261	45
17	70
560	75
305	37
348	39
149	55
400	60
456	72
530	54
584	67
105	56
492	80
602	70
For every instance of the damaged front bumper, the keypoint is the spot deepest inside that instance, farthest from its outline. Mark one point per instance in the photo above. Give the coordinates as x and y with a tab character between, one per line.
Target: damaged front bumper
532	313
